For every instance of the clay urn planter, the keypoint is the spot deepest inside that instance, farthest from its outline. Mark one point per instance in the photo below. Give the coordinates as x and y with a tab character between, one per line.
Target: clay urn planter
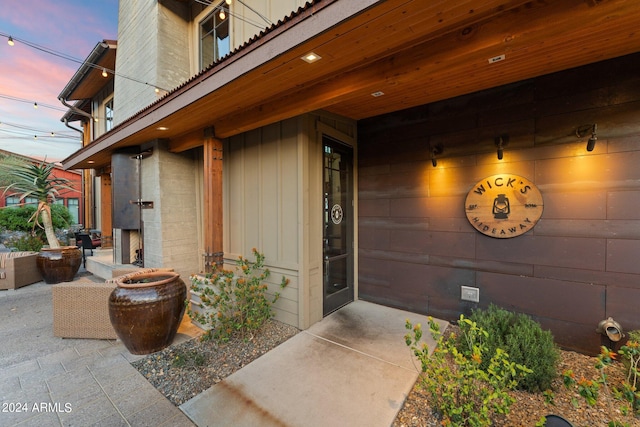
58	264
146	310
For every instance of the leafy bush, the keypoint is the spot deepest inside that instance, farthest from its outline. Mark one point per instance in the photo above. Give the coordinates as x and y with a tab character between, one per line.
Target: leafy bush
459	389
525	342
17	218
28	242
236	300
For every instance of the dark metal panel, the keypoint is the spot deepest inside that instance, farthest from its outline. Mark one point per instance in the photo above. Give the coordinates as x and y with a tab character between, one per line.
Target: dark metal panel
622	256
623	305
554	299
125	184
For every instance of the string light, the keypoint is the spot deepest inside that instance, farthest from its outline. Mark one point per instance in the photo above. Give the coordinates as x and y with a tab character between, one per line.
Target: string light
10	41
76	60
104	72
35	105
27	101
221	15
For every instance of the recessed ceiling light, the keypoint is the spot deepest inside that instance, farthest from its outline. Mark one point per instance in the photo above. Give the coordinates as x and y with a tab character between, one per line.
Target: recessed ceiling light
377	94
311	57
162	128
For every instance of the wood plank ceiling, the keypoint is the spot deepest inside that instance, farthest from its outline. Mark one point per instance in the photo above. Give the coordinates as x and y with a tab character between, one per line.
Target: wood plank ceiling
413	51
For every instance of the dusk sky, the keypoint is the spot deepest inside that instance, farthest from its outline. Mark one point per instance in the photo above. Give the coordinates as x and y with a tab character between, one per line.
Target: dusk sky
28	75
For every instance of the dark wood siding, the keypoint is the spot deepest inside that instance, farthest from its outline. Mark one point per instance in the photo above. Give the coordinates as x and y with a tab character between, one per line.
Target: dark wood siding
579	265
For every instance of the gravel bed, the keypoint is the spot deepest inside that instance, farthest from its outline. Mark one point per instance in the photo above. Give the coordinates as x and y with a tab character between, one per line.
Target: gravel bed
182	371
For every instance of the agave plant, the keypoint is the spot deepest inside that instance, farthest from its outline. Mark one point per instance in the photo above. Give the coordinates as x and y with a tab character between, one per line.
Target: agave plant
36	180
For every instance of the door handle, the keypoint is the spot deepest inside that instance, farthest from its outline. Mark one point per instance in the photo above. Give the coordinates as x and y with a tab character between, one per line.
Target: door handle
326	266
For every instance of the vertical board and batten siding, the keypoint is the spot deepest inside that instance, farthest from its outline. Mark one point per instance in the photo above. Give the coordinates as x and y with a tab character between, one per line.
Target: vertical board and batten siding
251	24
262	209
273	202
579	264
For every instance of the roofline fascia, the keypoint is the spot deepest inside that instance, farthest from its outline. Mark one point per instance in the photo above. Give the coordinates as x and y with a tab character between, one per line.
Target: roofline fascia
97	52
300	30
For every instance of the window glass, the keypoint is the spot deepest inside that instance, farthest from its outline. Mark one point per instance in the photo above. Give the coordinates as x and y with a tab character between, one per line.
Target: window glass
214	36
74	209
108	112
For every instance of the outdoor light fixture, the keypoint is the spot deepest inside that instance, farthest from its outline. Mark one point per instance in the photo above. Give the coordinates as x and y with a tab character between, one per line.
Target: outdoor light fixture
10	41
311	57
222	15
435	150
501	142
582	131
591	144
104	72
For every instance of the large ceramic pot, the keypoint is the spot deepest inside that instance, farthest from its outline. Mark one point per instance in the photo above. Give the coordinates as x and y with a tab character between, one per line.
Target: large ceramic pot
59	264
146	309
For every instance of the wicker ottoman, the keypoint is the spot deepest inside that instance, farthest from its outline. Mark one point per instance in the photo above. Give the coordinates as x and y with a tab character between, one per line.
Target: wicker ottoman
81	310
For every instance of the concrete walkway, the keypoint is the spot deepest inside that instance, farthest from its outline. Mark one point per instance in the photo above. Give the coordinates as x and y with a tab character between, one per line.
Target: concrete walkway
351	369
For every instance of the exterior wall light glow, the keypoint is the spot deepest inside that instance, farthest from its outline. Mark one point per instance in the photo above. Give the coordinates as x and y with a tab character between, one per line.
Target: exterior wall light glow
311	57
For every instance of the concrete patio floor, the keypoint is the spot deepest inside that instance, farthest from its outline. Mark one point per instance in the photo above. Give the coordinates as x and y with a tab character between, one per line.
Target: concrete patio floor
350	369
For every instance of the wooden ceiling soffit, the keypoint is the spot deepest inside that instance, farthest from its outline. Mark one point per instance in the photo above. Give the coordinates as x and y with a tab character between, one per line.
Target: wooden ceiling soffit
187	141
537	39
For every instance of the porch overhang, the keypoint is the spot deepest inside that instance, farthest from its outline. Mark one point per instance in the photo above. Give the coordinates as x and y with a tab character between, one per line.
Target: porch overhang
377	57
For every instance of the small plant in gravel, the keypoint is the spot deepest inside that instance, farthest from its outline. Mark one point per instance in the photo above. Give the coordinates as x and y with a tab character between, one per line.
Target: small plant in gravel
236	301
188	359
525	342
627	392
459	389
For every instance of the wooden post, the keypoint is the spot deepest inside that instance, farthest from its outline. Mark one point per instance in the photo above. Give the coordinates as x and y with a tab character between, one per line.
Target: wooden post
212	200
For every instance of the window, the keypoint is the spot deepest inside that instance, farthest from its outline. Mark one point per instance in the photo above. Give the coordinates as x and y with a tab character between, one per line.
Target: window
74	209
108	113
214	36
15	201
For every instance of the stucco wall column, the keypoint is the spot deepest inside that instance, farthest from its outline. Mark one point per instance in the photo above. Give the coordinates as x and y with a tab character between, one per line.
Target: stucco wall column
212	200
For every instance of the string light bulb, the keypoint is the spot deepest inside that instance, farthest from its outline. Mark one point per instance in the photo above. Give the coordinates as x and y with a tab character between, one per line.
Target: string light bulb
35	105
104	72
10	41
227	2
222	15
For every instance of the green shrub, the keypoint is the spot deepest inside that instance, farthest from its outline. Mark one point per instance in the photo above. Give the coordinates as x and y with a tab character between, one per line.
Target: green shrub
462	392
236	301
28	242
17	218
525	342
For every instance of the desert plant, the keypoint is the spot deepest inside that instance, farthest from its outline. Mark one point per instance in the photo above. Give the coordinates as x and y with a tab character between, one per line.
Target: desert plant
236	301
627	392
36	180
459	389
525	342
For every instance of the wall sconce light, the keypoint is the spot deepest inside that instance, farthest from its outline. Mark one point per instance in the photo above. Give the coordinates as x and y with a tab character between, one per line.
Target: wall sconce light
583	130
435	150
501	142
591	144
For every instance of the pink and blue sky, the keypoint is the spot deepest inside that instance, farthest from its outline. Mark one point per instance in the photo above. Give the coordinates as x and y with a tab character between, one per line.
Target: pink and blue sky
28	75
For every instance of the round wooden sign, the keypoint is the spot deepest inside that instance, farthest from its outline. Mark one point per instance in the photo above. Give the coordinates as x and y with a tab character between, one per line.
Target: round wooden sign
504	206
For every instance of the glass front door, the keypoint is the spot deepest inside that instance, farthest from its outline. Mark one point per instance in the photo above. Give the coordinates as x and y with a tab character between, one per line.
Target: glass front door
338	225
